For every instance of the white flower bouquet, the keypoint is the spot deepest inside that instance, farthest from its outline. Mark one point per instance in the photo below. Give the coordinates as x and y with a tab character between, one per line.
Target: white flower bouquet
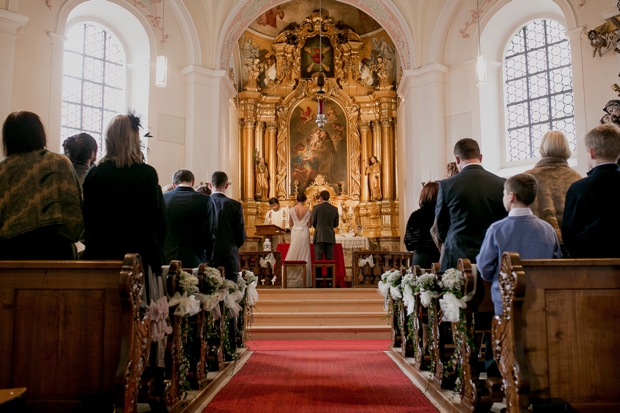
427	284
452	282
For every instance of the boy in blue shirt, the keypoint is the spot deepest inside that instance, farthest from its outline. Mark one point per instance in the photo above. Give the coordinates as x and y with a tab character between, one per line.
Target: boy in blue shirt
521	231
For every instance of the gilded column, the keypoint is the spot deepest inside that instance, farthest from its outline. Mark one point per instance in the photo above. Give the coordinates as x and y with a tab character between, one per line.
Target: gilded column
248	160
387	159
366	147
270	153
259	138
376	139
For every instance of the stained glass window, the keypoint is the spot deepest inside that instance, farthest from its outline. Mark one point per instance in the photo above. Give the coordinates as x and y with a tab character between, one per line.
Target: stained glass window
539	88
93	89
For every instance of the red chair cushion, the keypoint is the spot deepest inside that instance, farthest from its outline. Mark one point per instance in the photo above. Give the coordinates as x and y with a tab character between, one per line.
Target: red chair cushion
295	262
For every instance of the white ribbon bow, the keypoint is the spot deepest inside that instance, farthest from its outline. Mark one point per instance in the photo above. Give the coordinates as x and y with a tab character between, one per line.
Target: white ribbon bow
251	294
368	260
427	296
383	289
395	293
158	312
450	305
186	305
408	299
269	259
211	303
231	302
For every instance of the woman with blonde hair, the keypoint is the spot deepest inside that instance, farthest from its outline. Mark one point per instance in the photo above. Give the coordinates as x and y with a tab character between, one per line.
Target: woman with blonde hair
124	208
554	177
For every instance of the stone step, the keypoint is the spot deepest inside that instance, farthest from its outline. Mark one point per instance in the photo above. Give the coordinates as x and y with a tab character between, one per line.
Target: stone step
318	294
320	319
371	332
318	306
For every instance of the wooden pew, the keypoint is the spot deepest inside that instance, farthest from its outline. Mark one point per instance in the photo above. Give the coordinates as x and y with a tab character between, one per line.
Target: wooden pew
250	261
384	261
558	336
73	333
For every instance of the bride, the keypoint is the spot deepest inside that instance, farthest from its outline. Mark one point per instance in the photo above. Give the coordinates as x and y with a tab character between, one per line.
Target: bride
299	220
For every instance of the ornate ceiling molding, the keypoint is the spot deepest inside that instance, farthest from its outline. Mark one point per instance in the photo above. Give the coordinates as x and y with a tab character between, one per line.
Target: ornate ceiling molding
249	10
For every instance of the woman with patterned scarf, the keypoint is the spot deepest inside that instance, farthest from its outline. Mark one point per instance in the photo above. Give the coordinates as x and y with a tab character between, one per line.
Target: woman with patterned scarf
40	196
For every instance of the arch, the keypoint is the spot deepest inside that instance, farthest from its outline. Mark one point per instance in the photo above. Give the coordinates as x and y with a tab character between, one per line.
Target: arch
450	9
383	11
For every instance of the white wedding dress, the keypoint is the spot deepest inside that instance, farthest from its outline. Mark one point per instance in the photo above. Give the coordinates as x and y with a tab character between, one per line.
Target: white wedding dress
299	250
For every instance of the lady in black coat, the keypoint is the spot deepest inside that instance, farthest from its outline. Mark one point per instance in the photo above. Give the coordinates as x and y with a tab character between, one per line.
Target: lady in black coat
418	232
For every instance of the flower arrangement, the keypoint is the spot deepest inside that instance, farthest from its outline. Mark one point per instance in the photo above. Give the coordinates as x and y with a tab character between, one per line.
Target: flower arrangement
213	280
188	283
409	287
427	285
389	284
453	281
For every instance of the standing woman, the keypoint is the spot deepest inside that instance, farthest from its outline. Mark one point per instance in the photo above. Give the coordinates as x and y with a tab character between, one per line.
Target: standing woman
554	177
299	221
418	233
81	149
124	209
40	196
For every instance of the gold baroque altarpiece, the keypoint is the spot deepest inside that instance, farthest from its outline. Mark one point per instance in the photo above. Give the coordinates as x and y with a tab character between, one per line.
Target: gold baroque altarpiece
276	110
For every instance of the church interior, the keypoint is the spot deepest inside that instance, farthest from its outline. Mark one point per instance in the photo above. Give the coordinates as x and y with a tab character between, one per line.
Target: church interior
363	99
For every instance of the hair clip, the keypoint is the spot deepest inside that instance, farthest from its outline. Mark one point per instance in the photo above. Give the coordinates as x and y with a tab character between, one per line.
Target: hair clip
135	120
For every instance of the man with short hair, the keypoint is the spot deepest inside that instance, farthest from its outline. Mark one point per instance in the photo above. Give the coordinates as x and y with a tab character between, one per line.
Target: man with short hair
591	221
467	204
324	219
277	216
191	220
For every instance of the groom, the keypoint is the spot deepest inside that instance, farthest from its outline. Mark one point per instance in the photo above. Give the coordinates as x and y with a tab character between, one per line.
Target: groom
324	220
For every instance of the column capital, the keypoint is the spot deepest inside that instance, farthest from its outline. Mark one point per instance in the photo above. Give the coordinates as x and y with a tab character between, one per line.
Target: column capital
57	38
433	73
364	125
11	23
272	126
574	34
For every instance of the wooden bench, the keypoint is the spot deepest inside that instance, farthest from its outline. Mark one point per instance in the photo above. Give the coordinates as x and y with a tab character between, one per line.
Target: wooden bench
72	332
250	261
384	261
559	334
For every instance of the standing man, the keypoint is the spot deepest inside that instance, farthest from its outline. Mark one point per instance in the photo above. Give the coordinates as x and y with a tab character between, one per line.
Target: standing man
467	204
324	220
230	227
229	237
191	219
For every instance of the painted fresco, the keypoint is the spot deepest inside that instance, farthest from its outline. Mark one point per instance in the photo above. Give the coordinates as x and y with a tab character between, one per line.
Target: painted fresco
316	152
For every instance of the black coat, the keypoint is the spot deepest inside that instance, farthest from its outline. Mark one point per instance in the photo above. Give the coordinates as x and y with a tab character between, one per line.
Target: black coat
191	221
591	221
229	234
124	212
324	219
418	231
467	204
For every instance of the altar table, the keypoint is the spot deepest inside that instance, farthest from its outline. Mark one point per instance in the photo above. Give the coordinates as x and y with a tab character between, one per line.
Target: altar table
338	257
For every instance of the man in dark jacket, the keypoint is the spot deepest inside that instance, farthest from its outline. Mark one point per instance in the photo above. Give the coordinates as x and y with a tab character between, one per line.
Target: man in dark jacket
467	204
591	222
324	219
191	222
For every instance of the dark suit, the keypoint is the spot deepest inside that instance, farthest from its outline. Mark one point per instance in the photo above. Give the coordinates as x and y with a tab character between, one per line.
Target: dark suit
324	220
191	223
591	221
467	204
229	234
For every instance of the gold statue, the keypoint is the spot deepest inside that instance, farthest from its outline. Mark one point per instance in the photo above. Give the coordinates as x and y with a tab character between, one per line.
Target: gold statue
254	70
262	179
374	178
382	74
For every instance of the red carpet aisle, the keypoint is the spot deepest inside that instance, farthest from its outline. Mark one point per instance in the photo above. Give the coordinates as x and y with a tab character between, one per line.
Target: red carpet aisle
320	382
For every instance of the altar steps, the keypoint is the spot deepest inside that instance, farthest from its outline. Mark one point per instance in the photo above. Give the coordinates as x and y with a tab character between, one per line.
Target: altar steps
319	314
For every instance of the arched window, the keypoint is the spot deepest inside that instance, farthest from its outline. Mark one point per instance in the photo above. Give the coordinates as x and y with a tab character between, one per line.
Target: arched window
93	80
538	88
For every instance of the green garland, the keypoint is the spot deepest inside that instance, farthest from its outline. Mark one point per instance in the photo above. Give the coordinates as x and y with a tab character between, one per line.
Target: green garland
184	357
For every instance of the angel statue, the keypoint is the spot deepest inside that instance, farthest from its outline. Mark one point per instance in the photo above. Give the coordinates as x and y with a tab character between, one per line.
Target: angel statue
254	71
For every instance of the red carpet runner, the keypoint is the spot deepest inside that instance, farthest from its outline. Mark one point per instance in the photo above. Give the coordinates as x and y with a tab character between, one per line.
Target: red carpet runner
318	345
350	381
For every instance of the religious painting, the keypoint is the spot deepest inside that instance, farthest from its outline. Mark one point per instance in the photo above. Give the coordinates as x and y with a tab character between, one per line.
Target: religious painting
317	55
318	152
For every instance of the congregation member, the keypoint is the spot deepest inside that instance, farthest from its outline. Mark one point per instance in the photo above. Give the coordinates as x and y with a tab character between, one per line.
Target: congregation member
467	204
229	235
124	209
40	196
451	170
81	149
521	231
591	221
418	231
554	177
190	217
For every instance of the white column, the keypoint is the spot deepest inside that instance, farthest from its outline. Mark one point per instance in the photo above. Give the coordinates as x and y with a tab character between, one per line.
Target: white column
10	24
207	125
54	140
422	139
574	38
